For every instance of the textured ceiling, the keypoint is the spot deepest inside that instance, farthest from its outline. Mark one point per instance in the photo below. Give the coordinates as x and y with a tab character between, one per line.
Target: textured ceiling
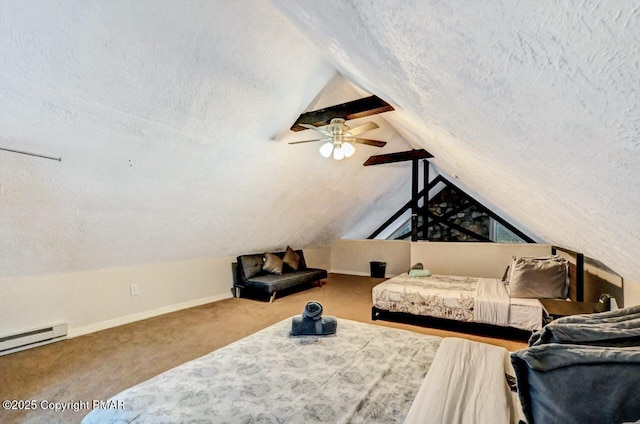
164	114
171	118
534	106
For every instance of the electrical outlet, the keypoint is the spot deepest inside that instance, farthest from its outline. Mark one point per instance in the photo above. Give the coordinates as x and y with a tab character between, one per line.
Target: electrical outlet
134	289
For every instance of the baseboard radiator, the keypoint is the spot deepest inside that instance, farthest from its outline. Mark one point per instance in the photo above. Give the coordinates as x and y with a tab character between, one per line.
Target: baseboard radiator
32	338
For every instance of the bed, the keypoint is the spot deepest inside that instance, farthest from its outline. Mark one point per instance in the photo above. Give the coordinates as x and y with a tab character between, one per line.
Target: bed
453	298
479	300
365	373
577	369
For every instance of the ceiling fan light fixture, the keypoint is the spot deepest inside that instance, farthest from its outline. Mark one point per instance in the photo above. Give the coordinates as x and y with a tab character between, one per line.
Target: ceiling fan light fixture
326	149
339	138
348	149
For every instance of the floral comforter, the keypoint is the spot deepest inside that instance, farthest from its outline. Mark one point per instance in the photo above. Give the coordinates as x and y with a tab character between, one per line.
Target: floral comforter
441	296
365	373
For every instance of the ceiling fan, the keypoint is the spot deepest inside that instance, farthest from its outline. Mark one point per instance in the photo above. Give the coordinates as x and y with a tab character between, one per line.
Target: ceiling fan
339	136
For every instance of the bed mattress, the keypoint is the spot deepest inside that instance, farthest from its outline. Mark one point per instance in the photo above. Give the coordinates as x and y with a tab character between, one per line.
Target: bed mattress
449	297
466	384
365	373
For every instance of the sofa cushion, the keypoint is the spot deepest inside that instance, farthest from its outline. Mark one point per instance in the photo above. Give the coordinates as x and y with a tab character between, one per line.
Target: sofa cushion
302	264
272	263
291	259
272	282
249	266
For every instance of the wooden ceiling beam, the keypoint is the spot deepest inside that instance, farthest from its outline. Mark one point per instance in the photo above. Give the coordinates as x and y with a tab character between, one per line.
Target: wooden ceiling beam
398	157
350	110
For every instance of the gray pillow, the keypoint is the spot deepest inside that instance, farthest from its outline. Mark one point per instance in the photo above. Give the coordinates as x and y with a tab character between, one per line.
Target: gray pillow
539	278
507	272
272	263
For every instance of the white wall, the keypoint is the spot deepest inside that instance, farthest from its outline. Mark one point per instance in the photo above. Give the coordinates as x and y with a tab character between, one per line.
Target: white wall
631	293
353	256
472	259
318	257
97	299
94	300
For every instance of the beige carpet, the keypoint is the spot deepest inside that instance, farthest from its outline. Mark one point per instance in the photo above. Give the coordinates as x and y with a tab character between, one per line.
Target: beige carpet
99	365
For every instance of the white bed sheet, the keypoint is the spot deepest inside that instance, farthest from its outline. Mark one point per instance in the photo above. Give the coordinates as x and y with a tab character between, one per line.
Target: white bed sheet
526	314
491	302
466	384
450	297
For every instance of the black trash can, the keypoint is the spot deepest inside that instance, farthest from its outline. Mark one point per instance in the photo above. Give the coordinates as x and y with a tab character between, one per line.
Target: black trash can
378	269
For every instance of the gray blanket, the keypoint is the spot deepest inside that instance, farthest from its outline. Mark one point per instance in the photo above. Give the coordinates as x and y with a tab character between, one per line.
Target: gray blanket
618	315
582	369
614	328
578	384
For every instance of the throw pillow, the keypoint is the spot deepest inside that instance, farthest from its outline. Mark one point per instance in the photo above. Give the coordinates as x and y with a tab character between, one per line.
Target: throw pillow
507	272
291	258
539	278
272	263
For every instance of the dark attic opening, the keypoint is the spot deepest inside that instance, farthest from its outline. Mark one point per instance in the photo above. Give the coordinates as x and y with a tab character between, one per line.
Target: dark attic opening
441	211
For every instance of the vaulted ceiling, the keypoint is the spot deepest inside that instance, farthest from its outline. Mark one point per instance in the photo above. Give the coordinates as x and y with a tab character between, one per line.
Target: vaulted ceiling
172	121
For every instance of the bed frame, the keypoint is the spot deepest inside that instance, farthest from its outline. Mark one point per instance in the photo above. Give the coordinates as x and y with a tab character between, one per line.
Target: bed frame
576	273
576	294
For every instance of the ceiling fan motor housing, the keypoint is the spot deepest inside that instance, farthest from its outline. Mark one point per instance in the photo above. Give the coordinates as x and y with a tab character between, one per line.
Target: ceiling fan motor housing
338	126
338	138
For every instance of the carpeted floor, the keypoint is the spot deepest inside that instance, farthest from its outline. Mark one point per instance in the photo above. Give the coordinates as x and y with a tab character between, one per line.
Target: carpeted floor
99	365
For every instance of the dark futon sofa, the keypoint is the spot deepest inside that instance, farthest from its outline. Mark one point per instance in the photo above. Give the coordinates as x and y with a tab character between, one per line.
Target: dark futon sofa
252	275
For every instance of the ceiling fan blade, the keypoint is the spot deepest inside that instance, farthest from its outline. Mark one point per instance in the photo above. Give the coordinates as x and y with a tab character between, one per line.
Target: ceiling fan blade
351	110
309	141
320	130
370	142
363	128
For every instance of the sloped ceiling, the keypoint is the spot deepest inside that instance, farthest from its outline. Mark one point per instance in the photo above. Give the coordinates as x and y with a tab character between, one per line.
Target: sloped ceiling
532	106
166	116
171	121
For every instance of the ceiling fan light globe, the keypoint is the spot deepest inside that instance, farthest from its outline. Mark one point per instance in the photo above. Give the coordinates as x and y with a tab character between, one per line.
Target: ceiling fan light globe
338	154
348	149
326	149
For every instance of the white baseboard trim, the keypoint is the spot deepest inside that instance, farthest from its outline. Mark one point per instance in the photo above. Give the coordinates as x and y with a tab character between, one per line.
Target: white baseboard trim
103	325
350	272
